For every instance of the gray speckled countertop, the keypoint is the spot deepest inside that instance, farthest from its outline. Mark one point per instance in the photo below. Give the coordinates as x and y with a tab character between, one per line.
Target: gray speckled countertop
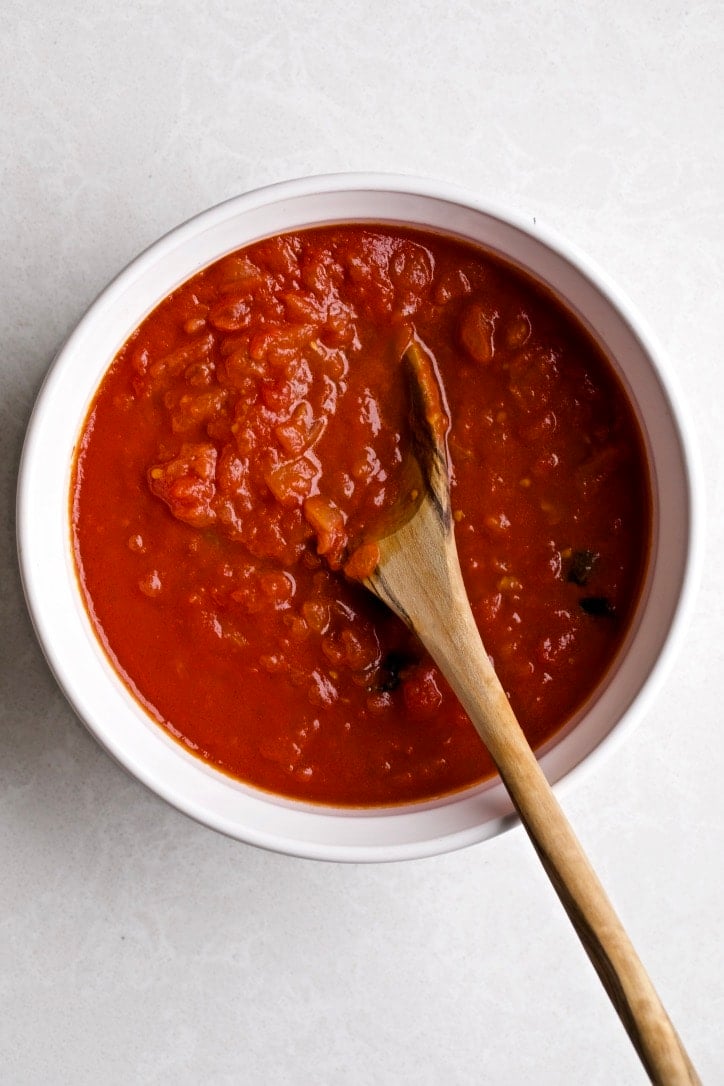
139	947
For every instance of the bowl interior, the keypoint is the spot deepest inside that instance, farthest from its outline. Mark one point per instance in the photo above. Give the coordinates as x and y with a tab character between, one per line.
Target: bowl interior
60	618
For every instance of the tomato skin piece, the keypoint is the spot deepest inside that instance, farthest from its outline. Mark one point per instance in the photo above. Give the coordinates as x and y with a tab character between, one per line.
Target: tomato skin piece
477	329
422	692
362	562
186	484
328	523
256	424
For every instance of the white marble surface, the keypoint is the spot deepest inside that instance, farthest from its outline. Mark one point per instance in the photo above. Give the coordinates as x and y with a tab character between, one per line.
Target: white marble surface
138	947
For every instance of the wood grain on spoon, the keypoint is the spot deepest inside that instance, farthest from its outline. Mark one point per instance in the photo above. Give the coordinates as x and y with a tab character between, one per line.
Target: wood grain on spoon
410	562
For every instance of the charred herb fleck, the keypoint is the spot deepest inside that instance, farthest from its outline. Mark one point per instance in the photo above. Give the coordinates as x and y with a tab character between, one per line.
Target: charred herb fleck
581	566
391	669
597	605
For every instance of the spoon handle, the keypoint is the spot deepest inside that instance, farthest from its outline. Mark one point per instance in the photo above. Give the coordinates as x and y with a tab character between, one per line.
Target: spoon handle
586	903
428	579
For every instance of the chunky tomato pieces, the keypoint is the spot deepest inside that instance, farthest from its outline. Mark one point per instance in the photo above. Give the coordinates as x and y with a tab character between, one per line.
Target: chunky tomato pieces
252	427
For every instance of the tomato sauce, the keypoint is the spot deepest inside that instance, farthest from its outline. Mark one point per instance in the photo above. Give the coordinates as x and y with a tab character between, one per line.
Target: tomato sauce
253	427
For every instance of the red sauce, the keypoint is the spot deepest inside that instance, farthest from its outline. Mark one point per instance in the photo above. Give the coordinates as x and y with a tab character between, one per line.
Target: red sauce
252	427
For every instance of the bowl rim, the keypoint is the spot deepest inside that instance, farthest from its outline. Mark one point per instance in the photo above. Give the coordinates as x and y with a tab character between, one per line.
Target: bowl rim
348	183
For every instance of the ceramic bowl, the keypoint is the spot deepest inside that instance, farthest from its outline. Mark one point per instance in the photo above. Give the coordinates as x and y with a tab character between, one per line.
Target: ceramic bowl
81	667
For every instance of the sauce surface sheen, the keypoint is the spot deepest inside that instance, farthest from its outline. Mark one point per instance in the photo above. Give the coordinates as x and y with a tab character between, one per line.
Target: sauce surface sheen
254	425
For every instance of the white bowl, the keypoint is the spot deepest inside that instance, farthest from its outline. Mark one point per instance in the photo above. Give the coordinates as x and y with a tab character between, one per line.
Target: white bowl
62	625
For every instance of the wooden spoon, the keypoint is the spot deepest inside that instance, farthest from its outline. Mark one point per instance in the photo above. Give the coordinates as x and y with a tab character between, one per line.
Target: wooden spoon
411	564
